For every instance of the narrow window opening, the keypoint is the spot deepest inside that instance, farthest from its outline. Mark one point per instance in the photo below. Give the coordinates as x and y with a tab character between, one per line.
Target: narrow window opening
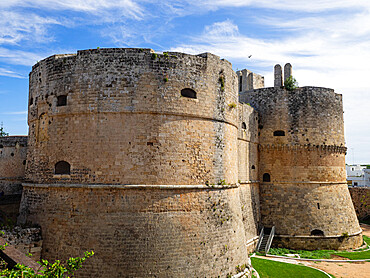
253	167
62	168
24	162
12	154
279	133
240	83
62	100
31	101
266	177
149	143
244	126
355	183
1	146
317	232
318	205
189	93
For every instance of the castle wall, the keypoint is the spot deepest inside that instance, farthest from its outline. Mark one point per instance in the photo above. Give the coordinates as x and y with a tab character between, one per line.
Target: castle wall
361	201
143	232
248	172
144	158
302	167
125	113
13	150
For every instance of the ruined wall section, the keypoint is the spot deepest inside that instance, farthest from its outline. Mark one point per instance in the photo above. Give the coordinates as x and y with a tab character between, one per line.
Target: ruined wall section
125	113
248	80
302	168
13	151
361	201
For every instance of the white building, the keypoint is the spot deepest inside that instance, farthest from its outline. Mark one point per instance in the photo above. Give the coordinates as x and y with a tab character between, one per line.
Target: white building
358	175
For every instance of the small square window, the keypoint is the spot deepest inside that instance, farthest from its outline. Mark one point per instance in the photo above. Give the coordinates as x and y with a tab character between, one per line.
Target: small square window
62	100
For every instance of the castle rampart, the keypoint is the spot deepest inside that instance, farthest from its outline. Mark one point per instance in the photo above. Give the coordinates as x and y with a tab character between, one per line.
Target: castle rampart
134	154
150	160
301	168
13	150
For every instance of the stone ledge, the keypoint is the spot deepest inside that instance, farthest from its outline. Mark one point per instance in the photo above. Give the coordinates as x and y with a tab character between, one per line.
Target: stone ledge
129	186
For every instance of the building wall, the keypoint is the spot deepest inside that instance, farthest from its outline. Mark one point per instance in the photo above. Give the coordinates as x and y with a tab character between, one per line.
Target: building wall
144	163
248	172
143	232
307	189
125	113
13	150
361	201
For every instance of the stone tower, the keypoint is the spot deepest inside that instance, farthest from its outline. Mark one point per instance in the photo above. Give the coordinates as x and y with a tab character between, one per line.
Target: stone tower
303	189
134	155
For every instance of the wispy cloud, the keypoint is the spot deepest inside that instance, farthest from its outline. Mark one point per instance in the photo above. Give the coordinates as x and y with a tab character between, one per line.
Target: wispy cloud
9	73
125	8
15	113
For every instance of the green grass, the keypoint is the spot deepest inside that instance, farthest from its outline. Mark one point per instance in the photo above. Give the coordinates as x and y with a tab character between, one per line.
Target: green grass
272	269
324	254
316	254
365	255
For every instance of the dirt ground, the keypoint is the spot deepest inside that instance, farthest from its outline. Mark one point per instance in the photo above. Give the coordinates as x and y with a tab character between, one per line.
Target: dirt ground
347	270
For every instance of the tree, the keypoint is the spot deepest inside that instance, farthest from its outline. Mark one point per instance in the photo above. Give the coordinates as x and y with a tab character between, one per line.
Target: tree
2	132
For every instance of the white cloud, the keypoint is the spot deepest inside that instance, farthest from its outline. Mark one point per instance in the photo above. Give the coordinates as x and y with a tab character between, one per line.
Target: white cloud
19	57
321	52
16	27
15	113
9	73
126	8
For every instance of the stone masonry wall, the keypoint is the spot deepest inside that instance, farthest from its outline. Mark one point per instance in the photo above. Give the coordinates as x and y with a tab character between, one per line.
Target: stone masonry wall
147	232
13	150
125	113
361	201
302	165
144	160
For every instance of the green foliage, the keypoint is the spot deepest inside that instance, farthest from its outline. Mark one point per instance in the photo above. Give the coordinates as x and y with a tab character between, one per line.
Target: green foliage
232	105
325	254
154	56
47	269
221	182
273	269
2	132
345	235
221	80
165	54
290	83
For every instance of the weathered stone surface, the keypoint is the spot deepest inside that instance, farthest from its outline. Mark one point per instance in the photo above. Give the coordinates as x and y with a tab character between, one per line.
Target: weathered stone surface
170	183
13	150
288	71
278	76
361	201
302	166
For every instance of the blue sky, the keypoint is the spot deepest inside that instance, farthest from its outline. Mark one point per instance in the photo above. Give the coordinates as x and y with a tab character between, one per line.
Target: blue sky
327	42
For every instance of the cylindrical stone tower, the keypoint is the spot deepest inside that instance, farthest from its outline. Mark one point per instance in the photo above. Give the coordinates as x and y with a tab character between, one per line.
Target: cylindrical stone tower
133	154
303	186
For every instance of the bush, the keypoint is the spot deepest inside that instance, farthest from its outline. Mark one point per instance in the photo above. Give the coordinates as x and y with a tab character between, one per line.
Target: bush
47	269
290	83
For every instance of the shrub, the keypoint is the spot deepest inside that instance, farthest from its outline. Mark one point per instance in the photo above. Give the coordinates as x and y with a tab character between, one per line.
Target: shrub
290	83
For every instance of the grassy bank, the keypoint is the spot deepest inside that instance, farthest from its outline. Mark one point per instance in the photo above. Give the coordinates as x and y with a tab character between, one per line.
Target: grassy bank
273	269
